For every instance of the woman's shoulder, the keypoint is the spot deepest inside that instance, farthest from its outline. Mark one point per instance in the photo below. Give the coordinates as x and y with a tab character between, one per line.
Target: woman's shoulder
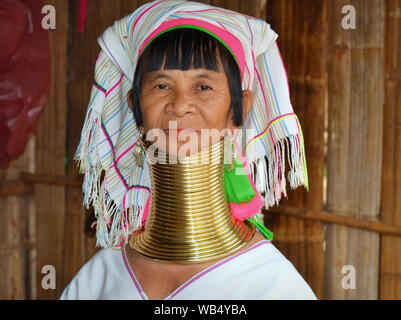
93	275
272	269
102	260
263	250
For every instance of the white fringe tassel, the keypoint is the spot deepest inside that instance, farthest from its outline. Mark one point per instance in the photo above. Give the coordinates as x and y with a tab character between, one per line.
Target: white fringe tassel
268	172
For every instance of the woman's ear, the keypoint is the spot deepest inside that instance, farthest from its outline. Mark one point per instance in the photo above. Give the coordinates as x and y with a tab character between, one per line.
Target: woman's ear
247	101
129	99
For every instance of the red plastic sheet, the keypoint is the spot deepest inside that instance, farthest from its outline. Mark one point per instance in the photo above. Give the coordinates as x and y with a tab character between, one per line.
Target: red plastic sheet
24	74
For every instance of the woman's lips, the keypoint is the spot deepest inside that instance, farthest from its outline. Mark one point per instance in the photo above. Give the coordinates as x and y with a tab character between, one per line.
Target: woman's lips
178	130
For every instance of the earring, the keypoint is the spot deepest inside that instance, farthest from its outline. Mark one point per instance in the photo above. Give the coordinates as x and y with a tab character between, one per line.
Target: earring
138	149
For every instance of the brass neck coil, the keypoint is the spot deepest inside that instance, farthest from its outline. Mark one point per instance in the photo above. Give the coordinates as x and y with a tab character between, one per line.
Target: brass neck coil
189	217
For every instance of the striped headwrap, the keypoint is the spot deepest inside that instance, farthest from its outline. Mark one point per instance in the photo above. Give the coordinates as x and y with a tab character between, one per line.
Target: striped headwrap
120	190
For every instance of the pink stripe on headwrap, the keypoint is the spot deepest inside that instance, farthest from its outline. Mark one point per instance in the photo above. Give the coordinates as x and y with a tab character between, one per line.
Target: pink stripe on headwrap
223	35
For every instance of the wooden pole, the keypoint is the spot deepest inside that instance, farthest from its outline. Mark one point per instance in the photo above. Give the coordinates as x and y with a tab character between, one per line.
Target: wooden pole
50	160
16	211
355	105
339	218
390	263
15	188
51	179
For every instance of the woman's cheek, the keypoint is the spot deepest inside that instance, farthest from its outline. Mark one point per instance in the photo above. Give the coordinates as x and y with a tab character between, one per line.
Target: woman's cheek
151	118
216	109
151	105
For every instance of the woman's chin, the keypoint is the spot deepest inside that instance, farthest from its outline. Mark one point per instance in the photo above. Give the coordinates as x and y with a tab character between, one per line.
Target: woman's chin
183	144
175	148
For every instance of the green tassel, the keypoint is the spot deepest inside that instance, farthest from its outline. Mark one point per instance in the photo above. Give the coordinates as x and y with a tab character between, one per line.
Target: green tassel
258	223
237	184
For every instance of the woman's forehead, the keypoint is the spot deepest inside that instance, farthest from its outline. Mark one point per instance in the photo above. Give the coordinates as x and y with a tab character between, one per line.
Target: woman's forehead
199	73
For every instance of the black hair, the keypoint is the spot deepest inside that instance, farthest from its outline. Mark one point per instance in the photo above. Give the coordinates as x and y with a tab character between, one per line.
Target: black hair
184	49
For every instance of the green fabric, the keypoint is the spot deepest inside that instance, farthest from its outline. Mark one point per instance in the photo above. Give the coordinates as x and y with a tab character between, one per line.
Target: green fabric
237	184
258	223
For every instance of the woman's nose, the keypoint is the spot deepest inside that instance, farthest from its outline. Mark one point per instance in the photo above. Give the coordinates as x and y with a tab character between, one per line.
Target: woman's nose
180	104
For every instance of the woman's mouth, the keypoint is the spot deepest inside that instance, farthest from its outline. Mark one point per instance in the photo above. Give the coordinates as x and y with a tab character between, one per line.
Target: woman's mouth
179	130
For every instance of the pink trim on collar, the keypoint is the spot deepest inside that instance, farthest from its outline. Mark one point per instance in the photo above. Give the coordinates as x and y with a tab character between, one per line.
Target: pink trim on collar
191	280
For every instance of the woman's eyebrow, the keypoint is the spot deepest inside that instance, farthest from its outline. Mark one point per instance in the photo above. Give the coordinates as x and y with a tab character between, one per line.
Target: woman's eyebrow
159	75
205	75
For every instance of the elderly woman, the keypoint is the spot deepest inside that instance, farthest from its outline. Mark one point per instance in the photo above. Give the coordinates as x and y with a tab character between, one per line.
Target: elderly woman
183	144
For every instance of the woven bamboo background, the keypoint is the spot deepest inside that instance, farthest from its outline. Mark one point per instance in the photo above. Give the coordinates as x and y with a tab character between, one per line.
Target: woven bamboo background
346	90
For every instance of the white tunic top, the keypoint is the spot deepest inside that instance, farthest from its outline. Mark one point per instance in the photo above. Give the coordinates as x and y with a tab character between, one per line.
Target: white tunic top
257	273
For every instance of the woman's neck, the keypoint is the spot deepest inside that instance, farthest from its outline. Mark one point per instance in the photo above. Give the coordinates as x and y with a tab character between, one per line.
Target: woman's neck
189	218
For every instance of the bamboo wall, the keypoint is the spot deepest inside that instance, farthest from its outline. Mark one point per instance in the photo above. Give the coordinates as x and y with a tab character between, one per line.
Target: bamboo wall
346	90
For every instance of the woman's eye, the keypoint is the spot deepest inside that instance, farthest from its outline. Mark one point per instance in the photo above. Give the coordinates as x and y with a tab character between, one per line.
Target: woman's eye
204	87
161	86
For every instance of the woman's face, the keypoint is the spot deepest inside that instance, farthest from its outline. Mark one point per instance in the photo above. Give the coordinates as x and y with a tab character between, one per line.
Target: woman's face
190	107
